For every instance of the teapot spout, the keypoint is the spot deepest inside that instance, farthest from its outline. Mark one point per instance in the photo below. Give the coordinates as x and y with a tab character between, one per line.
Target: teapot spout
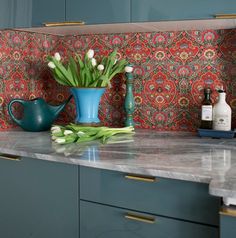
57	109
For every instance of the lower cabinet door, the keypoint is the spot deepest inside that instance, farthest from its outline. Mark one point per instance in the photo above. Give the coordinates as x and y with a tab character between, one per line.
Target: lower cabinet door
228	224
101	221
38	199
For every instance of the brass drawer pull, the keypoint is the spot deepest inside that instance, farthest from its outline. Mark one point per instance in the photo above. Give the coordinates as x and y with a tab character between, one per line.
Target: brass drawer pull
225	16
141	178
145	219
228	212
10	157
67	23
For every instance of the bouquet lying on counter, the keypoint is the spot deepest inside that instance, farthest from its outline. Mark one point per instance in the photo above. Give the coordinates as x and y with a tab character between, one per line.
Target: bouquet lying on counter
73	133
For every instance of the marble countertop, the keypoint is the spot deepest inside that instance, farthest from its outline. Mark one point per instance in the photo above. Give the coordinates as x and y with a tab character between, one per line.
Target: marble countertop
176	155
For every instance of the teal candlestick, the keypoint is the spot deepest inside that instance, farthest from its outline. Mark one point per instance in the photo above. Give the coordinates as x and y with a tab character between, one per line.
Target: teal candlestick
129	99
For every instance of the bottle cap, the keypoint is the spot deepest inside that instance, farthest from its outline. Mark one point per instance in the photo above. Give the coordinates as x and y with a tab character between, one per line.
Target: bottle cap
221	90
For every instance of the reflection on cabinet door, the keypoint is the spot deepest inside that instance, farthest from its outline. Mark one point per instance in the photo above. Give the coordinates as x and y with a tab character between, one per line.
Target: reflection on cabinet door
156	10
96	12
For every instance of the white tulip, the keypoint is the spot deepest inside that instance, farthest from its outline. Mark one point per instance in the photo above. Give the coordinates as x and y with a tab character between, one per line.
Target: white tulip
53	128
60	140
51	65
94	62
54	137
56	130
128	69
100	67
68	132
57	56
80	133
90	54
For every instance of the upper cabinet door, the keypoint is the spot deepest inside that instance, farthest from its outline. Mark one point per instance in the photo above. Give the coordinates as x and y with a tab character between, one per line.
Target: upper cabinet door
15	13
30	13
156	10
98	11
48	11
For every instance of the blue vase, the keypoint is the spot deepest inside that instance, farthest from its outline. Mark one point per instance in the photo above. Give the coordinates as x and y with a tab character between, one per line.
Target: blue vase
87	103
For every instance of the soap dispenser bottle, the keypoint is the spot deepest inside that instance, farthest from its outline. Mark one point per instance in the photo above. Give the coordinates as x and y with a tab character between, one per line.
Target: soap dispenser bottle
222	113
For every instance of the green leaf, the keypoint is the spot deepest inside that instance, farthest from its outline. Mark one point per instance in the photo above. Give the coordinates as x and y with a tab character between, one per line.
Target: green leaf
74	71
59	78
110	62
63	72
81	64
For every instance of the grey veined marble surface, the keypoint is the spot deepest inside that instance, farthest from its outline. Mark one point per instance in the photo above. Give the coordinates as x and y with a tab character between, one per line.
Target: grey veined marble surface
175	155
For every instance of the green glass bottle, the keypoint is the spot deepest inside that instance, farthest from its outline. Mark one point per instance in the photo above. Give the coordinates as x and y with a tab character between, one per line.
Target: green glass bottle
206	110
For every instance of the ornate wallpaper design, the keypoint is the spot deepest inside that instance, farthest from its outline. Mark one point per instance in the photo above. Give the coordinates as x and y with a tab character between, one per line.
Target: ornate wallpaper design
170	71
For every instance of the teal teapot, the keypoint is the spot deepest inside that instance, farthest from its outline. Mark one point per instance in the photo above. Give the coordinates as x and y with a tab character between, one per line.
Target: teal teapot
37	114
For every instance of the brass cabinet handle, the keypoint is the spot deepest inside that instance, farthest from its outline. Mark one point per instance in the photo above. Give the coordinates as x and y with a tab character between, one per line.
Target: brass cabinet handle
67	23
141	218
226	211
10	157
149	179
225	16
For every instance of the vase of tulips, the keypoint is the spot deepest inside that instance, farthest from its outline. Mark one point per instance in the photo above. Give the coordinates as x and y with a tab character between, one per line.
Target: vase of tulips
88	80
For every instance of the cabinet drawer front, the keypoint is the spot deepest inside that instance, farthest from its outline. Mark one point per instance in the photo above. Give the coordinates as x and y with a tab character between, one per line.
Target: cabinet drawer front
167	197
108	222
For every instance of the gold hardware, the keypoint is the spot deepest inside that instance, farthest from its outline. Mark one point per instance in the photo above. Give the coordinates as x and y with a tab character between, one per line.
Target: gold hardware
130	216
67	23
227	211
149	179
10	157
225	16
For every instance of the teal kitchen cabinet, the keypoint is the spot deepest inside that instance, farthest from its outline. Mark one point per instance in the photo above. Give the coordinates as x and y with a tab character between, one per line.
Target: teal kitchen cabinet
111	222
98	12
8	16
15	13
228	223
30	13
157	10
129	205
38	199
48	11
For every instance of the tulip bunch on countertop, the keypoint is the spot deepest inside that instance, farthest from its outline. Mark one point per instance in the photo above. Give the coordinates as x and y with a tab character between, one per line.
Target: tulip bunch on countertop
89	72
73	133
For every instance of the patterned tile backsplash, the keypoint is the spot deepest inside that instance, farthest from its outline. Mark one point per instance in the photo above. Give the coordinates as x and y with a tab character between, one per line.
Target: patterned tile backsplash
170	70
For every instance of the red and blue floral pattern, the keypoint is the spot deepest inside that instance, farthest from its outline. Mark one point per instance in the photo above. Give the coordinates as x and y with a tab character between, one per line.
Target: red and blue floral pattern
171	70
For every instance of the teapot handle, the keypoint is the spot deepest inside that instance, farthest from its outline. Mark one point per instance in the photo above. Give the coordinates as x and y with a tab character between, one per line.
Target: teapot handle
10	109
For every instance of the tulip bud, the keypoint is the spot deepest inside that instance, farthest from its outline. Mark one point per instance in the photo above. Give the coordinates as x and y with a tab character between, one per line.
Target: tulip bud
80	133
90	54
128	69
94	62
68	132
57	56
55	128
51	65
100	67
115	61
60	140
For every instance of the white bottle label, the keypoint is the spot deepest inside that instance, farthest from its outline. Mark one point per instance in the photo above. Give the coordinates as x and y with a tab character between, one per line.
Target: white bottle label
222	122
207	112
